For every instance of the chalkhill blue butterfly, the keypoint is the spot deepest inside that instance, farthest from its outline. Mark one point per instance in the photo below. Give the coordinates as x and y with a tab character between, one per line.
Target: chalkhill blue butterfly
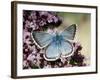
56	45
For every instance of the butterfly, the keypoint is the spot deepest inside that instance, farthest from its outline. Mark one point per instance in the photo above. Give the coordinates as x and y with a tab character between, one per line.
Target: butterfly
56	45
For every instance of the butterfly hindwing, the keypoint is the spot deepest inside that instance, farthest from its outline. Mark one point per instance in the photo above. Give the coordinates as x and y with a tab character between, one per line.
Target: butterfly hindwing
42	38
66	48
52	52
69	32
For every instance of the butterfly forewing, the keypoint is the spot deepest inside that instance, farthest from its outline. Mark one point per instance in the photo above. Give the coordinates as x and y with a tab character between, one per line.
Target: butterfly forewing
69	32
42	38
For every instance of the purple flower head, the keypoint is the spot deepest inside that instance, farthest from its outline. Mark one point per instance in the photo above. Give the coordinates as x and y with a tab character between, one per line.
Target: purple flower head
40	19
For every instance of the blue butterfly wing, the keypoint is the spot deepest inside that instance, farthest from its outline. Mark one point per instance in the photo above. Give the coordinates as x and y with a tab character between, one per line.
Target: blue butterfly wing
52	52
66	48
69	32
42	39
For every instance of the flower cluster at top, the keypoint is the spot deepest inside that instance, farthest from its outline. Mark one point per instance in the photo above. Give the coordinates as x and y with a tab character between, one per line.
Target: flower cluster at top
32	55
40	20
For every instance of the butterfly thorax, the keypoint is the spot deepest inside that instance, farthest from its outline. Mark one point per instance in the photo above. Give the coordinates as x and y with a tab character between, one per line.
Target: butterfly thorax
57	39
